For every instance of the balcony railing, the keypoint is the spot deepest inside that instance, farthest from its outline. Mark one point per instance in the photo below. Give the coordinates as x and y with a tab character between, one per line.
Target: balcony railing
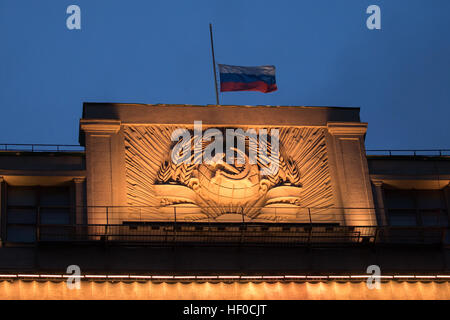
36	147
149	226
408	152
235	234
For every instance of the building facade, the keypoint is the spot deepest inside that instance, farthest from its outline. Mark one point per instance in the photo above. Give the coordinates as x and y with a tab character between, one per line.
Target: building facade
140	225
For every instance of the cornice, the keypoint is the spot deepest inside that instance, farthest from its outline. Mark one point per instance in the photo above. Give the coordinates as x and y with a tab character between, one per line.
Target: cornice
347	128
100	126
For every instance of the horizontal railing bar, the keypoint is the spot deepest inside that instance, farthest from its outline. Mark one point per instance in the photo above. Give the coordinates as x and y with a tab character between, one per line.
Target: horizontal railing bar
408	150
223	207
326	225
296	234
40	147
40	144
256	207
414	152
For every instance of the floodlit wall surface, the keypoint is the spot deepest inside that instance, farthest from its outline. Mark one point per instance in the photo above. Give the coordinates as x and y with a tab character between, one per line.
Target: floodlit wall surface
334	290
124	176
322	164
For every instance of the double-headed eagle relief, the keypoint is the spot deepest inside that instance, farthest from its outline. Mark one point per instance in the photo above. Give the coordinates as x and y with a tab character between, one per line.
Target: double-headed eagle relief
226	174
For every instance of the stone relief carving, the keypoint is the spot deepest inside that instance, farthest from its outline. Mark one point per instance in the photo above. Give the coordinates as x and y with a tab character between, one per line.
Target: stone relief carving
219	190
222	188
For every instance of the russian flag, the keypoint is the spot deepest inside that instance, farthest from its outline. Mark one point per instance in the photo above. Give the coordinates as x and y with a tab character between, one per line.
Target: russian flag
235	78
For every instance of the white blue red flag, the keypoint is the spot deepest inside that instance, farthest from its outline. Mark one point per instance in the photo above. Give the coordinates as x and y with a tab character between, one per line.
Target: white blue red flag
235	78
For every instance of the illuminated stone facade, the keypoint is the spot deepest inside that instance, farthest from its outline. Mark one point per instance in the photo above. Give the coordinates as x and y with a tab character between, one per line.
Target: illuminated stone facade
324	216
322	165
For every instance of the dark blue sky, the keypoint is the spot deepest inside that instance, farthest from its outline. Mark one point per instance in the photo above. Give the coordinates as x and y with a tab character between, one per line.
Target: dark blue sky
159	52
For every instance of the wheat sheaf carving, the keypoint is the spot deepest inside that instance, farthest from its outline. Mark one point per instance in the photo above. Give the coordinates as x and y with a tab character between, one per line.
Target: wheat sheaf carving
170	172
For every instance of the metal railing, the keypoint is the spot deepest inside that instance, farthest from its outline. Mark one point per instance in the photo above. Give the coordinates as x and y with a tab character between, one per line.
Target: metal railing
147	225
408	152
110	215
36	147
180	213
276	214
232	234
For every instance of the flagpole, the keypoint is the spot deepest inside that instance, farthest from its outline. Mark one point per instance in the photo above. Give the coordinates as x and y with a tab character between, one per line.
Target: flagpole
214	63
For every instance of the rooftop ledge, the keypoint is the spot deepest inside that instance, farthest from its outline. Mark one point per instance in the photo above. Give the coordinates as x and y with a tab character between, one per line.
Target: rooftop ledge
216	115
212	105
129	113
